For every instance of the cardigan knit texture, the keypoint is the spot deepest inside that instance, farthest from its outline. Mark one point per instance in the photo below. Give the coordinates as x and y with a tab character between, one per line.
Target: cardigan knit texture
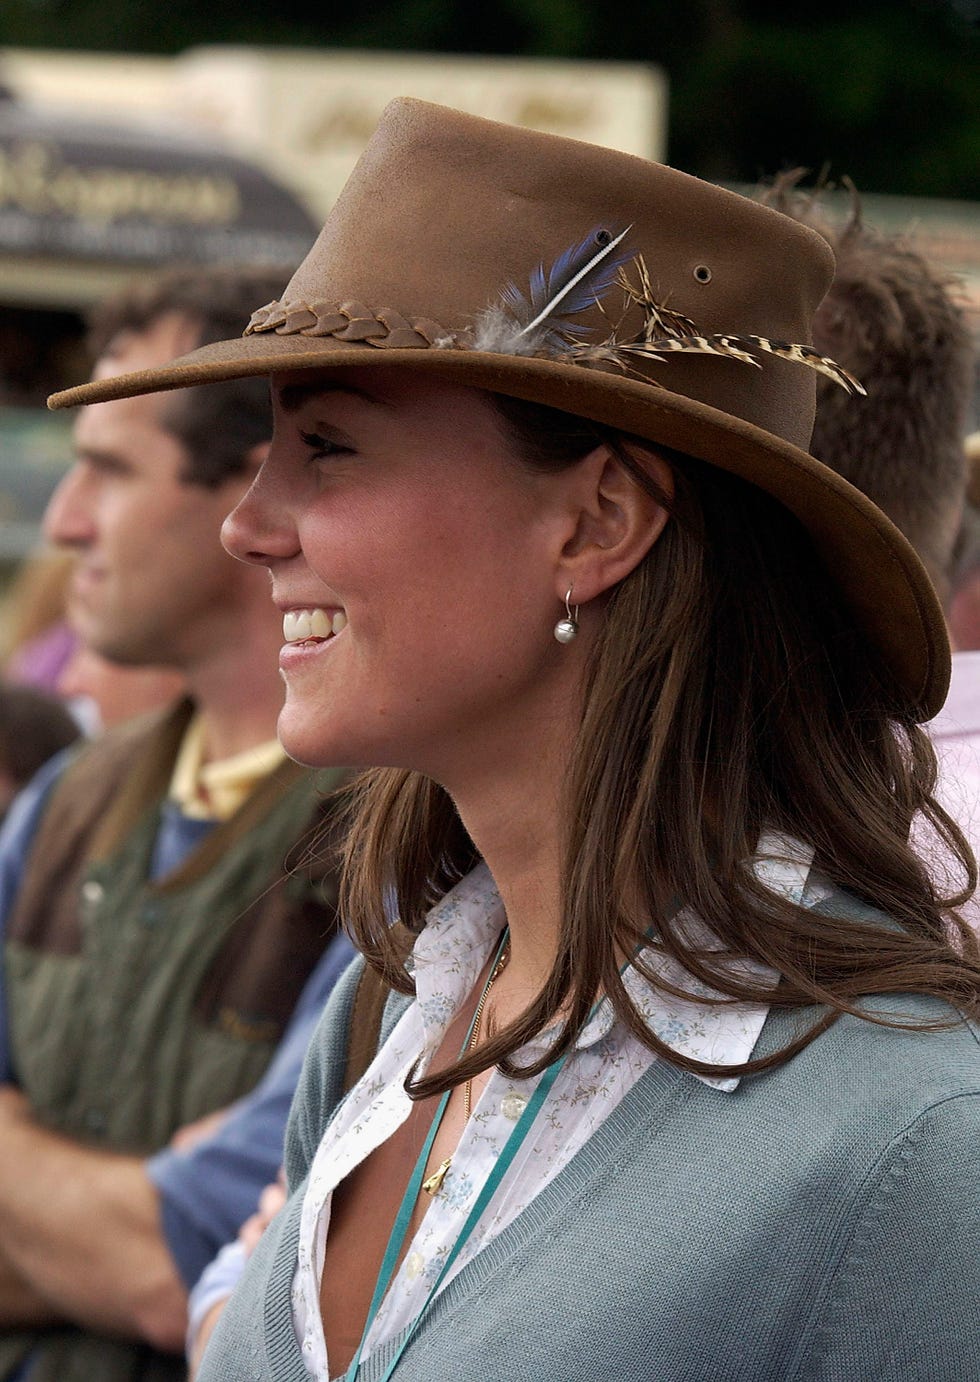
820	1223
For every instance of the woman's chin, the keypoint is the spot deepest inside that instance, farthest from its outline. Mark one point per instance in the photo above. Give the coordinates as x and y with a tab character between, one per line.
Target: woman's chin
303	739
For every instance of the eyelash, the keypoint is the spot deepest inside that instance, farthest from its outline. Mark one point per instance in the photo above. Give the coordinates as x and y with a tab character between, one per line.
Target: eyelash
321	448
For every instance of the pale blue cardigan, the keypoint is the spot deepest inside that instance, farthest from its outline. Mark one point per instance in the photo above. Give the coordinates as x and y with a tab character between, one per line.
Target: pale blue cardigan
822	1222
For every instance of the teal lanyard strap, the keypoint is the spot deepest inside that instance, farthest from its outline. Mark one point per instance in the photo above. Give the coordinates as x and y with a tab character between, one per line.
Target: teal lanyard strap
501	1166
399	1230
403	1218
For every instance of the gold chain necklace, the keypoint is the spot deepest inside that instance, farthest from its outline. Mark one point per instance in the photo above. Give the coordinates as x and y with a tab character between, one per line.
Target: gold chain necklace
432	1183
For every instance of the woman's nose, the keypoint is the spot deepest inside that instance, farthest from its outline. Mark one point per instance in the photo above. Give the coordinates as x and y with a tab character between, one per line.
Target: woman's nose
260	528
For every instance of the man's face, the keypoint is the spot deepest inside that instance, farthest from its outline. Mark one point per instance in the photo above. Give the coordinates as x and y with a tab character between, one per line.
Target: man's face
151	582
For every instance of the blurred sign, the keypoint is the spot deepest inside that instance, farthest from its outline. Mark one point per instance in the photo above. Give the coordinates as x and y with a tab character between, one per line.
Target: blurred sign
77	190
309	114
305	114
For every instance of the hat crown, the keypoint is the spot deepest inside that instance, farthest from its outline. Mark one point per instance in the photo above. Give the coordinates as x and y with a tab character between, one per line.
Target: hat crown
444	210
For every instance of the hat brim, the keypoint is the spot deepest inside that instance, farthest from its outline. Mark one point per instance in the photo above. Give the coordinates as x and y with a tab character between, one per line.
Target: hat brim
872	563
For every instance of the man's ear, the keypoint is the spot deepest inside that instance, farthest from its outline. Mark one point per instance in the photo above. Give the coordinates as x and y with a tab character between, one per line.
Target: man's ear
616	522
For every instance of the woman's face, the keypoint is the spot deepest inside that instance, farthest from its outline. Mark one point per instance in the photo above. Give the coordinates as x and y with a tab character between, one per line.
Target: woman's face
414	561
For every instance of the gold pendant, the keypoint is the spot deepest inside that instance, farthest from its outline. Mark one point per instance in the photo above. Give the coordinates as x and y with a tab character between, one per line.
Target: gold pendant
432	1183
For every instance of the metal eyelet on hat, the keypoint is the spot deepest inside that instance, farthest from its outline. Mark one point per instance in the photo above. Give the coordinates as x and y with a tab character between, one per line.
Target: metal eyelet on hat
702	273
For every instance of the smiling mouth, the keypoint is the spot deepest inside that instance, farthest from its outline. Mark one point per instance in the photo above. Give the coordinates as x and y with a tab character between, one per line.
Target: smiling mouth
306	625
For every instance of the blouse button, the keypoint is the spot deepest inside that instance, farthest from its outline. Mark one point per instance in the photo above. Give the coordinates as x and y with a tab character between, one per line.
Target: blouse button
414	1263
512	1106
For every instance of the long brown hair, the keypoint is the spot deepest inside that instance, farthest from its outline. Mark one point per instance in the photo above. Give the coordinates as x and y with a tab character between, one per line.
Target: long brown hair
729	691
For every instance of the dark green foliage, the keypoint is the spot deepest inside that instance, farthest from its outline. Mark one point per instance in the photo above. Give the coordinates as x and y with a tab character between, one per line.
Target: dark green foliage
885	92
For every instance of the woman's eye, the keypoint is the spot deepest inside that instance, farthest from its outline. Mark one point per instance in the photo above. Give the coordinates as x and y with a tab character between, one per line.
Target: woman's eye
321	447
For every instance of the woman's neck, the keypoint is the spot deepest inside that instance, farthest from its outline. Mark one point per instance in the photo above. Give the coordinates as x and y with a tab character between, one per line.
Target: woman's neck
522	851
509	788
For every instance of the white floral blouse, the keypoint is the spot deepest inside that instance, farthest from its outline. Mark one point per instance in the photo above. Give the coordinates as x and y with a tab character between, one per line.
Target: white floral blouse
449	956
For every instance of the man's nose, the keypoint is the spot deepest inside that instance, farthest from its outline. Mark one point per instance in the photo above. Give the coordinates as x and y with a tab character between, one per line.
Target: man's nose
67	519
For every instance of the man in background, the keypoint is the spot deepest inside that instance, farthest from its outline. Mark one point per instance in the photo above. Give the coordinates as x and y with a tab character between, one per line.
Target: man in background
159	907
893	321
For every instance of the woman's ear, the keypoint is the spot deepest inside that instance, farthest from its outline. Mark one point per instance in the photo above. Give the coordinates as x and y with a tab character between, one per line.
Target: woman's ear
616	521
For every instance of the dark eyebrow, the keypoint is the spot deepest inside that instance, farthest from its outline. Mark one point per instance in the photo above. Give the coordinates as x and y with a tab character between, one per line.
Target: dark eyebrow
100	460
292	397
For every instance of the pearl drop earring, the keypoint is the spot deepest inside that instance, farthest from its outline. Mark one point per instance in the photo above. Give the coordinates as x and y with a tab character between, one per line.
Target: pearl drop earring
566	629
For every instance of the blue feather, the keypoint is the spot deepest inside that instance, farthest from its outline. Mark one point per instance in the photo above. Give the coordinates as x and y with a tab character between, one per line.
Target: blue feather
576	281
597	250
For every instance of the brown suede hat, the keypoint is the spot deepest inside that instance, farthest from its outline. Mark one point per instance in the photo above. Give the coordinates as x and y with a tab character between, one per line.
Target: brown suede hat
595	282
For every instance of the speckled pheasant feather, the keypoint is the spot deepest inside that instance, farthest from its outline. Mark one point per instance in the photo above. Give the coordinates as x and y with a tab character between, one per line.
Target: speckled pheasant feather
665	331
732	348
658	318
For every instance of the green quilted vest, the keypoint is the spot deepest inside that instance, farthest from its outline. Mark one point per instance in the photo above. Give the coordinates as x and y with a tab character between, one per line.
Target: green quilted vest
136	1007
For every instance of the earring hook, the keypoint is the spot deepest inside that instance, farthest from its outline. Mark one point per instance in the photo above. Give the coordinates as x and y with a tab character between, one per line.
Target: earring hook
567	629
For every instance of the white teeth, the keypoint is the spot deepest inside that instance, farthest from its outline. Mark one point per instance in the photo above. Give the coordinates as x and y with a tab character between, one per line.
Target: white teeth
301	624
320	625
296	625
